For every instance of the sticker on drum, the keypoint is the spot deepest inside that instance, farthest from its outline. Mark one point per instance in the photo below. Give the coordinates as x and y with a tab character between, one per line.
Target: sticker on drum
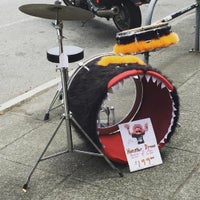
144	39
110	89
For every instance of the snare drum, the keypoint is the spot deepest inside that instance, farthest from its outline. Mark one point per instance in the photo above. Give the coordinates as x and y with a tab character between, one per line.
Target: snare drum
110	89
144	39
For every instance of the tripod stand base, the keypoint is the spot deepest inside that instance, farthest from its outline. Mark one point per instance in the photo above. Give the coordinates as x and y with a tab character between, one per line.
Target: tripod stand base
72	150
67	116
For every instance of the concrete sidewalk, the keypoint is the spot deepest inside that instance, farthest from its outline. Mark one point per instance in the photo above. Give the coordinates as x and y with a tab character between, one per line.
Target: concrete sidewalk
24	135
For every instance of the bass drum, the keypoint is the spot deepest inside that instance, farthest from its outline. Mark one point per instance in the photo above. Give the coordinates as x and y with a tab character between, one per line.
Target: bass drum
110	89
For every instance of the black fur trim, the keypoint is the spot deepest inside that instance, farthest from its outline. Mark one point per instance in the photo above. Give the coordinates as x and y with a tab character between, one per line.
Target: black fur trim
88	89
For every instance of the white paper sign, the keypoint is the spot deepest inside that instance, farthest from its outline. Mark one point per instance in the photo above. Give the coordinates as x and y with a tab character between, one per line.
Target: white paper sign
140	144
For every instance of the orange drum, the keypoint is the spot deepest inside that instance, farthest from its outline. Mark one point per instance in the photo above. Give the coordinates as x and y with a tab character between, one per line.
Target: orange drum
144	39
110	89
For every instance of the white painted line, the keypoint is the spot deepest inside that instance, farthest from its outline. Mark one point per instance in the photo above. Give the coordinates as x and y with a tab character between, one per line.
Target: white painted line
17	22
22	98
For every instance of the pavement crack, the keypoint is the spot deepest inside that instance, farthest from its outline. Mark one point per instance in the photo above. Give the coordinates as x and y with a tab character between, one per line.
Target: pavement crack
15	140
189	78
179	149
195	169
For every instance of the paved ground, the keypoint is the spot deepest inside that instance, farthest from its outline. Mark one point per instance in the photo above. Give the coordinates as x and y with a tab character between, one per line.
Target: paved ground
73	176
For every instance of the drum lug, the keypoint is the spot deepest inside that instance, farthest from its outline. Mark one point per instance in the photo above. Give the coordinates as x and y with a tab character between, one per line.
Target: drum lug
112	109
85	67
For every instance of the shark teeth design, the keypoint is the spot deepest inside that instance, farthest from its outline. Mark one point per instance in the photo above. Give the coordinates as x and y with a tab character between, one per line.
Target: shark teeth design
163	86
116	86
146	76
171	124
122	82
154	79
158	83
136	77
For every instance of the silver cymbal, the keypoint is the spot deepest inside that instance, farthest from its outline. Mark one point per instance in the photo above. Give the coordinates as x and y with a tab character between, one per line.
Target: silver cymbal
55	11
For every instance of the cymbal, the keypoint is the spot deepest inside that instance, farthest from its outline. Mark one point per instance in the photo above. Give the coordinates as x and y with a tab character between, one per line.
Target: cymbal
56	11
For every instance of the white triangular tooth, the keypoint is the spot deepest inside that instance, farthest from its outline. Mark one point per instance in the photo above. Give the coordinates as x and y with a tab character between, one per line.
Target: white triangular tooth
172	121
173	114
158	82
122	82
162	141
141	76
168	131
147	77
167	135
116	86
174	108
154	79
173	103
163	86
135	77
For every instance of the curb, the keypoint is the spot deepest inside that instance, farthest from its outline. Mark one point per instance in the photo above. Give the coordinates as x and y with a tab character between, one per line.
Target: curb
28	95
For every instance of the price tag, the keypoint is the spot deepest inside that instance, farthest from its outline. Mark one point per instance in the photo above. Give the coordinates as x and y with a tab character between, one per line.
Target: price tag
140	144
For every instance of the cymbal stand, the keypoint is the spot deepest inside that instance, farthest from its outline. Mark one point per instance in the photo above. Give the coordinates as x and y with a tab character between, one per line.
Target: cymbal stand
67	116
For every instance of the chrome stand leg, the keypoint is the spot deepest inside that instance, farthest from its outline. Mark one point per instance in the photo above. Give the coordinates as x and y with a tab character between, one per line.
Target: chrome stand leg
55	98
41	156
100	153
